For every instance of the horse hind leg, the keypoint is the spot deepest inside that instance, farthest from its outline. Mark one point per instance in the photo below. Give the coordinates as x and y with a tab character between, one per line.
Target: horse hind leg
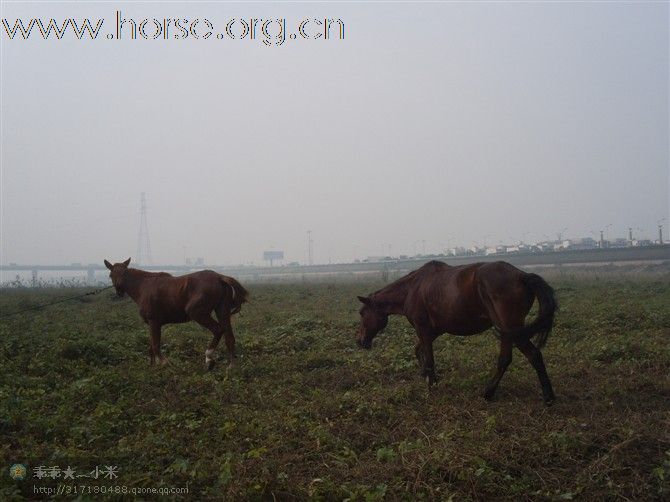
229	337
511	315
535	358
504	315
206	321
504	360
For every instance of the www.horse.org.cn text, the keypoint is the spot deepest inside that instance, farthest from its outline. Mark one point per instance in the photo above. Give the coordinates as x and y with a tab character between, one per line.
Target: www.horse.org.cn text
268	31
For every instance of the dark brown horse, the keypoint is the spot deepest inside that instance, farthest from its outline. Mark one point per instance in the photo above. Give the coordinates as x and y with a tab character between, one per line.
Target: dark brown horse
164	299
464	301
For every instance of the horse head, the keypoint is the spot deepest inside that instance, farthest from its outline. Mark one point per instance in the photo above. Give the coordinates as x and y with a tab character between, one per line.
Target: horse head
118	273
373	320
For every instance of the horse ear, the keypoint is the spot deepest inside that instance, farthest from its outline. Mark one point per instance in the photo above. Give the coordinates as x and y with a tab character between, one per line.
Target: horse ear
108	265
127	262
364	300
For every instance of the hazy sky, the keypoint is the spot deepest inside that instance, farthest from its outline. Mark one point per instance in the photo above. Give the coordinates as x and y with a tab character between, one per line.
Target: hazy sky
451	123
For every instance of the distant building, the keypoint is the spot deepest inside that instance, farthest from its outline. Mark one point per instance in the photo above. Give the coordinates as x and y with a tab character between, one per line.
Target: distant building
561	245
583	243
619	243
457	251
273	256
495	250
373	259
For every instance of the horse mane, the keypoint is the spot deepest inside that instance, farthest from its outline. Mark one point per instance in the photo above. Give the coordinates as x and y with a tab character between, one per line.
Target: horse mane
397	283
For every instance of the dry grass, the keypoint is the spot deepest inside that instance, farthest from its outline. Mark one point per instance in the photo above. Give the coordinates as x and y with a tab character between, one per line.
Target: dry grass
305	414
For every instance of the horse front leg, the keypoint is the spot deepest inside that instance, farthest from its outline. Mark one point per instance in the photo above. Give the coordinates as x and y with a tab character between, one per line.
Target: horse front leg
418	352
429	363
424	354
152	355
155	343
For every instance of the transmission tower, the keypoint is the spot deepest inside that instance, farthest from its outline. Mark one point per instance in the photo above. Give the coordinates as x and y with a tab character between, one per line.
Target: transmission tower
310	248
143	244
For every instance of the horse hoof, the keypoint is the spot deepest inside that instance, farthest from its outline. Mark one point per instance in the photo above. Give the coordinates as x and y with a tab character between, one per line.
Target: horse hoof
210	364
488	395
548	401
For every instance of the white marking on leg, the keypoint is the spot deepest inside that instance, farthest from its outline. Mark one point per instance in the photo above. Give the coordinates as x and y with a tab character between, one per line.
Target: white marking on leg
208	353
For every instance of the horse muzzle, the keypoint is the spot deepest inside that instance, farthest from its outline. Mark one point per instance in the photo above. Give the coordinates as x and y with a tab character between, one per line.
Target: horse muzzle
364	343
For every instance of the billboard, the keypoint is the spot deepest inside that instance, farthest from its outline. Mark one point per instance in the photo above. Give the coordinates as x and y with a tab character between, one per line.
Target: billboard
273	255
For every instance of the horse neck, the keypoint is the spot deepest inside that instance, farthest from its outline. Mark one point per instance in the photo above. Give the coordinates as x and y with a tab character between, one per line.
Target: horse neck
393	297
134	281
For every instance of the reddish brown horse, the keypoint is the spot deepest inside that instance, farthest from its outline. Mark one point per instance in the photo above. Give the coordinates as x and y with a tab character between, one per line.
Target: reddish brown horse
164	299
464	301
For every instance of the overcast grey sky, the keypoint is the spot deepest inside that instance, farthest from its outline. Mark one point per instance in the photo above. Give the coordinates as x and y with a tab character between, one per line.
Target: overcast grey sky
450	122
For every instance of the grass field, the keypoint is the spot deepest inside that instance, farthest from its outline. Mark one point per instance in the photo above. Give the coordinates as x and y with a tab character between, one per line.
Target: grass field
306	414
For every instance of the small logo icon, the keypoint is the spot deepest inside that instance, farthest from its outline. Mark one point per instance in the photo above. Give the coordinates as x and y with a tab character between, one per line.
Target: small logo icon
18	471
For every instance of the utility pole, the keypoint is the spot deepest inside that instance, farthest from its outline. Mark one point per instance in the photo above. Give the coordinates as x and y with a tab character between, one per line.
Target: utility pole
660	230
143	244
310	248
602	235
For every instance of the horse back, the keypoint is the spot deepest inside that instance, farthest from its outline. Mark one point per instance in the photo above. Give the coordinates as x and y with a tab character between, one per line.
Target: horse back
447	298
169	299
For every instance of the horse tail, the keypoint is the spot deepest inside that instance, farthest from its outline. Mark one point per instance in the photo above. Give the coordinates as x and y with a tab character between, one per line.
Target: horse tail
544	321
240	295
